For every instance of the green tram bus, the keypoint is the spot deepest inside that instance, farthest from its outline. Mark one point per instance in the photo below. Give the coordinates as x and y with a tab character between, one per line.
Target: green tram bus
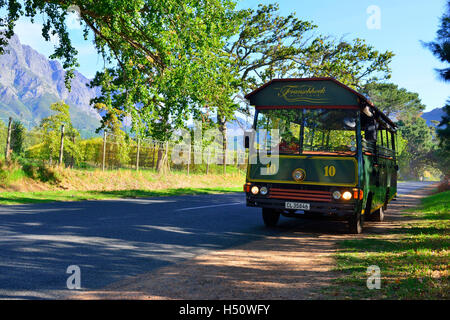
336	153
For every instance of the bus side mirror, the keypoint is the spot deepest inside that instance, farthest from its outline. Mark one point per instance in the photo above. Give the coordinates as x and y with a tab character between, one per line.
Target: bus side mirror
249	135
396	167
246	142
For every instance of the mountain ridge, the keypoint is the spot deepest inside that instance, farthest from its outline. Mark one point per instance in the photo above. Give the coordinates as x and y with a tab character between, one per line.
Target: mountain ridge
30	83
435	114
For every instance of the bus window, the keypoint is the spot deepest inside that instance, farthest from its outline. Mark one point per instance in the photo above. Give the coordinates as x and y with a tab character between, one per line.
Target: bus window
310	131
287	122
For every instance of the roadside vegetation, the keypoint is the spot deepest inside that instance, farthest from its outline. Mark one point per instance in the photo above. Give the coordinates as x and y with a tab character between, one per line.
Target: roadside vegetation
31	184
413	259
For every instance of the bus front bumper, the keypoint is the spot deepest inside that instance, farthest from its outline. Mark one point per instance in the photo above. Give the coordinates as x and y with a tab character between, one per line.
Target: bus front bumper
336	210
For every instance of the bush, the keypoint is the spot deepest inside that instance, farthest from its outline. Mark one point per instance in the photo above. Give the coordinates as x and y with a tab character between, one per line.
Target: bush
41	172
444	185
10	172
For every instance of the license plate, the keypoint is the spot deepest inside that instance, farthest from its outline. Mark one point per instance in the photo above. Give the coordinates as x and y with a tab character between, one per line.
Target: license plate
296	205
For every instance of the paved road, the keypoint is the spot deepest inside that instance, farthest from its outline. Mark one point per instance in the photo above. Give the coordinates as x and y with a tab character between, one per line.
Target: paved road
110	240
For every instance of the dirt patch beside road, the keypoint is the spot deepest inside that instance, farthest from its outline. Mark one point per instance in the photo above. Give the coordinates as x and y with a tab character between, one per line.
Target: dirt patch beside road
296	264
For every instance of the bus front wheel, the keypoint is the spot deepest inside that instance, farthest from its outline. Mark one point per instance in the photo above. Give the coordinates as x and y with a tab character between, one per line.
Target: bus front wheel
355	224
270	217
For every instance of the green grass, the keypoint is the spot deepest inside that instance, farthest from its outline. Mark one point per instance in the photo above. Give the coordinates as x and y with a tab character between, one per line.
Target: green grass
414	260
8	177
10	198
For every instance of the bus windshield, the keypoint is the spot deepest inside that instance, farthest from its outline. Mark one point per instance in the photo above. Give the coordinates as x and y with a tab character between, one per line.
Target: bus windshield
308	131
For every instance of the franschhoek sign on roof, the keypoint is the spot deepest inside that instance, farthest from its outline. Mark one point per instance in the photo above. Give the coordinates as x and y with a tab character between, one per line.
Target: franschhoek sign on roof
303	93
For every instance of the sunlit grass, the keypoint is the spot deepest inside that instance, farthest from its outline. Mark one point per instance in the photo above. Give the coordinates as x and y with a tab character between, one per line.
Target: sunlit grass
414	260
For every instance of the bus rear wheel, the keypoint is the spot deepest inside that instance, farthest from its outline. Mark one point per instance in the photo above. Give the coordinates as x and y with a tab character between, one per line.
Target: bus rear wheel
270	217
356	223
378	215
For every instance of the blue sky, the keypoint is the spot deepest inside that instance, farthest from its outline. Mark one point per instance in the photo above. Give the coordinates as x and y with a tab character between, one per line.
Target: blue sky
402	25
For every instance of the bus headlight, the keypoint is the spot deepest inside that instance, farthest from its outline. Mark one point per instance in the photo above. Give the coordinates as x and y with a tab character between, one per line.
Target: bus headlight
263	191
255	190
336	195
347	195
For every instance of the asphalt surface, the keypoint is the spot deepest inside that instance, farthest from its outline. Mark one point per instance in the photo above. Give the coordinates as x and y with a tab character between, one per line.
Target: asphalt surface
110	240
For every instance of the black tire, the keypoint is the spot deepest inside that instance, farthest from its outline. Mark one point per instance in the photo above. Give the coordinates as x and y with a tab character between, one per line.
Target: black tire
378	215
270	217
356	223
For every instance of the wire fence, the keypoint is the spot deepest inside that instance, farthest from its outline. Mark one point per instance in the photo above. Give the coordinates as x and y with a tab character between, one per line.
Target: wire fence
120	151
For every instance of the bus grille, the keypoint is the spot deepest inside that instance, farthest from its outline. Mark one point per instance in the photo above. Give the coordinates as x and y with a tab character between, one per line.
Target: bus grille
292	194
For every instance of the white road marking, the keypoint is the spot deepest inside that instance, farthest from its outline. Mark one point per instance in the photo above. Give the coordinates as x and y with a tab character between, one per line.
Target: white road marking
211	206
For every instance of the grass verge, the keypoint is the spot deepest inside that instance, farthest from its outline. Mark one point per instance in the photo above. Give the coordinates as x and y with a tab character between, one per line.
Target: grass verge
413	260
10	198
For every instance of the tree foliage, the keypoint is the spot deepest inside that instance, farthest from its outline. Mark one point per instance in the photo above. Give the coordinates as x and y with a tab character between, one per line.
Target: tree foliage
265	42
18	132
394	101
443	133
441	49
162	56
269	45
420	146
51	133
353	63
441	46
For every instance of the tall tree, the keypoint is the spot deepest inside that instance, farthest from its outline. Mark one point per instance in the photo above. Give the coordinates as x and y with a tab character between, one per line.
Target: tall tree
441	46
441	49
266	39
18	133
394	101
51	131
269	45
354	63
419	147
3	134
157	51
443	133
118	145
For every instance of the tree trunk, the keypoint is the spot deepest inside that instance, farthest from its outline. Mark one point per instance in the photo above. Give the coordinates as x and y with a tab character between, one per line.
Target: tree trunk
223	129
137	153
104	151
163	164
8	141
72	162
61	147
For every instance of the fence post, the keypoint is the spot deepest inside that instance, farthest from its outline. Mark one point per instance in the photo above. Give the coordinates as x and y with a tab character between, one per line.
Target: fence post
235	153
104	150
207	162
137	153
153	154
189	159
167	156
72	163
61	146
8	141
224	161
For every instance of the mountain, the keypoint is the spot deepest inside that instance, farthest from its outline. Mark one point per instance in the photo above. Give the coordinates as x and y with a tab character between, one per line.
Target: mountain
30	83
435	114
